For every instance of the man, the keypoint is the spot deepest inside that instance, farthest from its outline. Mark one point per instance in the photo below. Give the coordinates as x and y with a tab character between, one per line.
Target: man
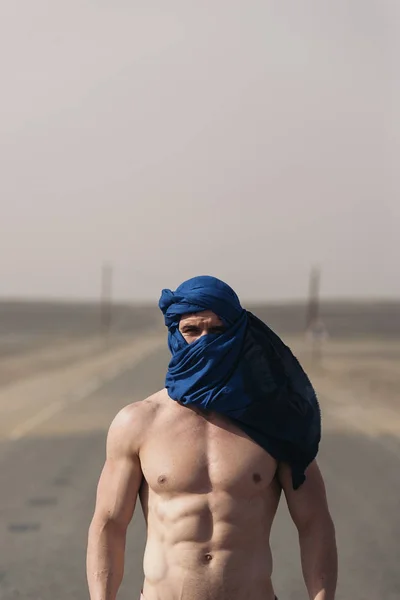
209	456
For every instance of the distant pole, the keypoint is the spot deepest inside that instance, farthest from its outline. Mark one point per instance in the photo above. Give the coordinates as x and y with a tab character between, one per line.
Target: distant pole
313	297
314	326
106	298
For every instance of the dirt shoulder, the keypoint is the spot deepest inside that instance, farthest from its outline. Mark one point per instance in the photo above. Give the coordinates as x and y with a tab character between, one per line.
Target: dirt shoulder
71	373
358	383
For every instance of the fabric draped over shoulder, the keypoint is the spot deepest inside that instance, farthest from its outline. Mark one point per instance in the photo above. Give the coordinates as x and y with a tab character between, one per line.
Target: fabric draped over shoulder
245	373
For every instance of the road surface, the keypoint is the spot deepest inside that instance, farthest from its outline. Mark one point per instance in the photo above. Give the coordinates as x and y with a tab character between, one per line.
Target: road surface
52	443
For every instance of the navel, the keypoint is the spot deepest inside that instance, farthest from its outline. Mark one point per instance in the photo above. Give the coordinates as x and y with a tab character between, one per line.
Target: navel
162	479
208	557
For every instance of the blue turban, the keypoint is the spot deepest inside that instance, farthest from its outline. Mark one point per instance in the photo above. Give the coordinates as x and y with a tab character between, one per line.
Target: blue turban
245	373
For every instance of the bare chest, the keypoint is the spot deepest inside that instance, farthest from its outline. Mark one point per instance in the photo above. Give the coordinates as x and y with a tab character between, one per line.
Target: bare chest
187	453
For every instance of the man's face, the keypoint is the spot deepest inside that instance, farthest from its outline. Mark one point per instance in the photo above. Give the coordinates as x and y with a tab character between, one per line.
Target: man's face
194	326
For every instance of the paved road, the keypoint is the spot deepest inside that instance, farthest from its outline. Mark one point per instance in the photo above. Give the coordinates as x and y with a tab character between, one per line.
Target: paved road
47	486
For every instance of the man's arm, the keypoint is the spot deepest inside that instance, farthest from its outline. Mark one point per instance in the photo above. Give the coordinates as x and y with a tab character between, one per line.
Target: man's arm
115	504
309	510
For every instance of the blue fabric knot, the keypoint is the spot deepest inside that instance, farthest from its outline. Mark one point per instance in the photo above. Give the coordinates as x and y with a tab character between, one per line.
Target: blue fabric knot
199	294
168	298
246	373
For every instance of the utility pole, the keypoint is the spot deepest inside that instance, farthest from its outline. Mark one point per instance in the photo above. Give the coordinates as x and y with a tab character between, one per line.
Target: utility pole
106	298
313	298
315	329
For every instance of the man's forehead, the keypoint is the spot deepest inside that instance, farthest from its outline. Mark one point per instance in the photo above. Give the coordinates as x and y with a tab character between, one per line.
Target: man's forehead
206	315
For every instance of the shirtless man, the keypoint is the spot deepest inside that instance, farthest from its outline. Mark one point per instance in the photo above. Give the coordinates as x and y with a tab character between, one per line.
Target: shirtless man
209	495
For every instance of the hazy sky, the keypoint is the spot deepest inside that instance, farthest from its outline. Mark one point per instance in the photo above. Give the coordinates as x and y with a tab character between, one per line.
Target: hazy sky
248	140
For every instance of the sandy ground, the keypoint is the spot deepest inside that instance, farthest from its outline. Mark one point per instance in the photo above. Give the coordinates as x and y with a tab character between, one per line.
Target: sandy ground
55	408
358	383
43	383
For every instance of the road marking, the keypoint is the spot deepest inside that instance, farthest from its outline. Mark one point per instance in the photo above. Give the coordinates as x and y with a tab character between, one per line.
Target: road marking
86	390
43	415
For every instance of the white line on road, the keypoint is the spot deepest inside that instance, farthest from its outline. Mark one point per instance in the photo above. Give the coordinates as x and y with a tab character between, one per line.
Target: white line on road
42	416
89	387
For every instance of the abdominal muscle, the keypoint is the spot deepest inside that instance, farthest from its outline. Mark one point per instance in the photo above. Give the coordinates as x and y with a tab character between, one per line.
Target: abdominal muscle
208	546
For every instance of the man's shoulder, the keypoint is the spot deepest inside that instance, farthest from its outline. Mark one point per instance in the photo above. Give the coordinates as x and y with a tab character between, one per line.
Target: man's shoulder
152	406
135	419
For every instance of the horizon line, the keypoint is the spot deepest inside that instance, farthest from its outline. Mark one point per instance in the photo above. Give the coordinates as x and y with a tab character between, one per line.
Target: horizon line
151	302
